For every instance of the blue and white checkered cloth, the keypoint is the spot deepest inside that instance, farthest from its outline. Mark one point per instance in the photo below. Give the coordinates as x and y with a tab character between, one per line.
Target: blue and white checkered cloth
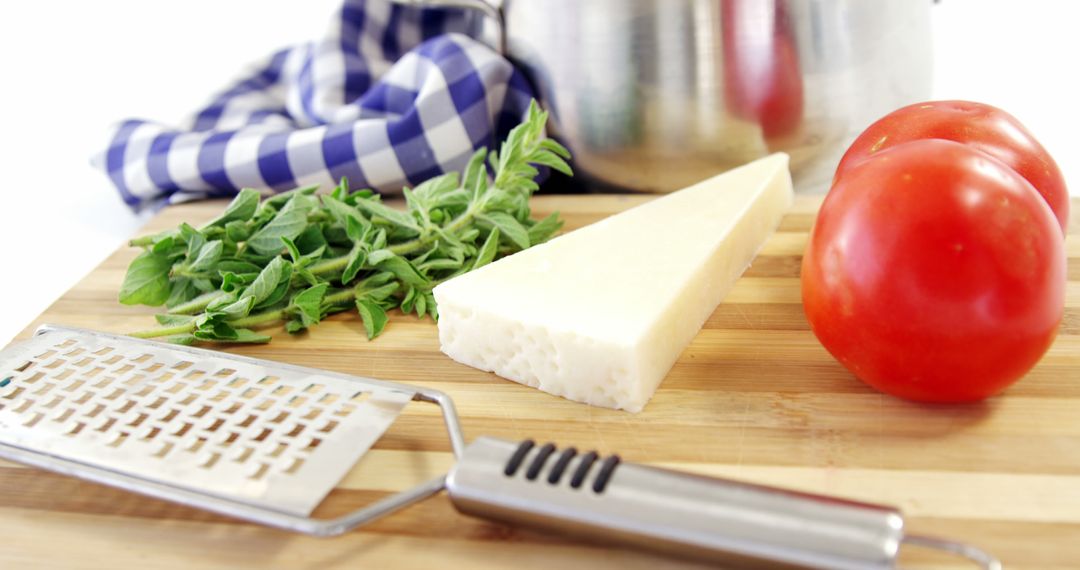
391	96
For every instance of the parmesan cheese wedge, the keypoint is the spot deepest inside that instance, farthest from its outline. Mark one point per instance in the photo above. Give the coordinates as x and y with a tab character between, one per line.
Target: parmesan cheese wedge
599	315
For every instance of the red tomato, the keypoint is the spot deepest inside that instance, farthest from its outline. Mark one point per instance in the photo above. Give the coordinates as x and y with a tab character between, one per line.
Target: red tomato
980	126
934	272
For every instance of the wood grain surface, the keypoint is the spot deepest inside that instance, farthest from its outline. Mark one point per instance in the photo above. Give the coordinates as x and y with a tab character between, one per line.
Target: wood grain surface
754	397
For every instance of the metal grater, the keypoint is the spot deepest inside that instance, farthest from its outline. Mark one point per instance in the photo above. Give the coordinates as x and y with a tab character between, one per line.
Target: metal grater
266	442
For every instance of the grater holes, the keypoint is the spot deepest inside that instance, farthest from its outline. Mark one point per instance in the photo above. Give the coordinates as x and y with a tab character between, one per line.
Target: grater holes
243	454
164	450
160	401
135	380
278	450
345	410
259	471
206	385
210	460
14	393
152	433
112	360
83	362
75	429
195	374
329	427
25	405
95	411
262	435
54	402
224	373
84	398
328	399
312	414
294	466
282	416
281	390
154	367
32	378
215	425
74	352
296	401
250	419
64	374
63	415
103	351
169	415
233	408
182	365
33	419
126	407
93	372
237	382
142	358
56	364
183	429
220	396
315	442
201	411
250	393
106	424
295	431
72	386
360	397
46	354
66	343
139	419
119	439
44	389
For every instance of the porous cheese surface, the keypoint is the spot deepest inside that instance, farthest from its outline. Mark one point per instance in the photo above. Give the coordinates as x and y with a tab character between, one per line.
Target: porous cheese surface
599	315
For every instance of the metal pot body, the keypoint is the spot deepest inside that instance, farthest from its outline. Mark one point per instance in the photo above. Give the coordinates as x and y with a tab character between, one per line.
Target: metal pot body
654	95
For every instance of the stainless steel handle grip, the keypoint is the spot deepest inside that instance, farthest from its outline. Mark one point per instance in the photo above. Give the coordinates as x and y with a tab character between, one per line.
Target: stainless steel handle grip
718	520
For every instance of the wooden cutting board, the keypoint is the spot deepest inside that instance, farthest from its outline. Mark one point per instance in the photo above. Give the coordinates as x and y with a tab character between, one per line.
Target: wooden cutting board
754	397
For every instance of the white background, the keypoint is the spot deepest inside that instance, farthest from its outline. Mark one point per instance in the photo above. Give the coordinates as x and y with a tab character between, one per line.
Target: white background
70	69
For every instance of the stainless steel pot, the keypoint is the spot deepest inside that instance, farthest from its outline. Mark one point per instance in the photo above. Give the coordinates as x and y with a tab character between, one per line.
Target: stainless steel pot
652	95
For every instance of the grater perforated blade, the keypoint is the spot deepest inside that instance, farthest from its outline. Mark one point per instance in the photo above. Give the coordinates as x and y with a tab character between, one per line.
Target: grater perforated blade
266	442
268	435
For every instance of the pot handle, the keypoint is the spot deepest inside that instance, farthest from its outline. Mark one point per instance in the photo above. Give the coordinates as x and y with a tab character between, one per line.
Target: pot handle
483	6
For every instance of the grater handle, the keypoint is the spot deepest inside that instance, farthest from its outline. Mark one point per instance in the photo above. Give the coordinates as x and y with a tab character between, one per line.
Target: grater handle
714	519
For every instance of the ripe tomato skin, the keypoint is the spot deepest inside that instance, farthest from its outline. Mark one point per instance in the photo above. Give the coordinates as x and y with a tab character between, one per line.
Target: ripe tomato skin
934	273
981	126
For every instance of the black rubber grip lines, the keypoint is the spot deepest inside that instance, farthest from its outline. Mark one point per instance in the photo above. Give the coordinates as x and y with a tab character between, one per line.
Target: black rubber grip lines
562	465
518	457
583	469
538	461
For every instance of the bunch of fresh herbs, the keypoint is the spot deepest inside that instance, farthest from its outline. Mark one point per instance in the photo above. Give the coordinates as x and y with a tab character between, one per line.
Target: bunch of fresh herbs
300	256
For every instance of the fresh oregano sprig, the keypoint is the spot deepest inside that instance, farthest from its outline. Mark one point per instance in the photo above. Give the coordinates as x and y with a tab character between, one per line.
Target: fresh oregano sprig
299	256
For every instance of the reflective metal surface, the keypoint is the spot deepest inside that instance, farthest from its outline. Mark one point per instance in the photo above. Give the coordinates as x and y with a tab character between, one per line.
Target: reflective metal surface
653	95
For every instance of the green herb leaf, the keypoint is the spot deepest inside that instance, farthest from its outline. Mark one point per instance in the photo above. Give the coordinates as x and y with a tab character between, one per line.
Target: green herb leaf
146	281
488	250
543	230
267	281
287	223
308	304
509	226
241	208
373	315
208	256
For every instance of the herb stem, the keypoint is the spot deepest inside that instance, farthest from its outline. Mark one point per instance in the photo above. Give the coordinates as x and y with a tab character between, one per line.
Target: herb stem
198	304
186	328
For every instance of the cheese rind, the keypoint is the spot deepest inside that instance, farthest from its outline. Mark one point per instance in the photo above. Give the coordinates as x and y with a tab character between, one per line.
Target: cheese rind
599	315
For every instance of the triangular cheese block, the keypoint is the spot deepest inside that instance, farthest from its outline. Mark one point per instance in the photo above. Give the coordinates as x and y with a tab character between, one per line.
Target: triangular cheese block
599	315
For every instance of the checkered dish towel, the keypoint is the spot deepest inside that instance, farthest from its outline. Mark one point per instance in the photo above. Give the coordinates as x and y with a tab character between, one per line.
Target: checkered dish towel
391	96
